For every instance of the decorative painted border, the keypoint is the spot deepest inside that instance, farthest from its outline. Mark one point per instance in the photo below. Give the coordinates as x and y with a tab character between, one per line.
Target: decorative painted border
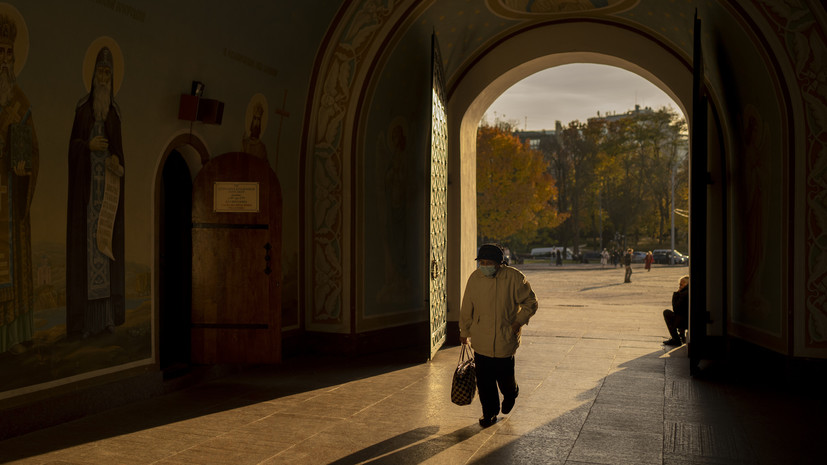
528	9
804	39
332	105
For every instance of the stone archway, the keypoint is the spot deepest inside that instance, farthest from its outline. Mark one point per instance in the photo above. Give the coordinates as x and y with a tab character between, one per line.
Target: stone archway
515	57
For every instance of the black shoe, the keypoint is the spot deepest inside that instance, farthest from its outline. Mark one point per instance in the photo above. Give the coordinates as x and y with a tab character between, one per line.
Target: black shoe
486	422
672	342
508	403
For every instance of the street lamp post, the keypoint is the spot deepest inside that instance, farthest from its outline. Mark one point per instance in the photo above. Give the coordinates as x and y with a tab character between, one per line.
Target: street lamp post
672	255
600	215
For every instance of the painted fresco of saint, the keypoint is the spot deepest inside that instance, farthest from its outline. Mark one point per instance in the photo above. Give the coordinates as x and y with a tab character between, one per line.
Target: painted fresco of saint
393	208
753	191
255	124
19	158
95	272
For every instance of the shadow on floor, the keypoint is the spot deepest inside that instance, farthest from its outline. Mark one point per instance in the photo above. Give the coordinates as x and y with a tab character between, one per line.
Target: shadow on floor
406	448
727	415
647	411
253	385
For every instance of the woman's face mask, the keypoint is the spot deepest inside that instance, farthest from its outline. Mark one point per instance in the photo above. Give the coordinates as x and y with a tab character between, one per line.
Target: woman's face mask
488	270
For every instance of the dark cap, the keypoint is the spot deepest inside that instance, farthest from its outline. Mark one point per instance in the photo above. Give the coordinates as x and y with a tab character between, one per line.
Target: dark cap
491	252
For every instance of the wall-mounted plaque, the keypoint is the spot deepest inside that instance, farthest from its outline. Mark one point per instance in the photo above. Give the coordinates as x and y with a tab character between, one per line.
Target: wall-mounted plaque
235	197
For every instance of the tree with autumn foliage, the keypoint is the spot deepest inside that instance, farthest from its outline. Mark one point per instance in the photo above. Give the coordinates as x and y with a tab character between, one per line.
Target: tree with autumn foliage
516	194
615	177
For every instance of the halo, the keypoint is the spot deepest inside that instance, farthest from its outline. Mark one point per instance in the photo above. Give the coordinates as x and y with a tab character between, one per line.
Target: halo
248	117
92	54
21	43
751	113
402	123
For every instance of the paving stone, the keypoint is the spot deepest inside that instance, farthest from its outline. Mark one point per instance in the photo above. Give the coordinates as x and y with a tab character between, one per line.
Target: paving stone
507	449
625	418
723	443
617	447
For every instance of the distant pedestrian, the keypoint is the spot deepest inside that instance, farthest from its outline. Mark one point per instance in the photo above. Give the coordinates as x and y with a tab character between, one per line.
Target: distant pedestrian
627	262
559	261
647	262
604	258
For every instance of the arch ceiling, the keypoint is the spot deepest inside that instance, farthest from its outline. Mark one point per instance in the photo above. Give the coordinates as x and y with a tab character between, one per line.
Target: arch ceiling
523	53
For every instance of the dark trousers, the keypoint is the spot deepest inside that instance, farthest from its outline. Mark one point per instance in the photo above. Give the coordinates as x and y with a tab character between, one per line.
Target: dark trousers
492	372
628	274
674	324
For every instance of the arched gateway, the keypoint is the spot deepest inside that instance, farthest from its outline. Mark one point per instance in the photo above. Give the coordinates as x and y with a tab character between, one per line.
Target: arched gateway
369	75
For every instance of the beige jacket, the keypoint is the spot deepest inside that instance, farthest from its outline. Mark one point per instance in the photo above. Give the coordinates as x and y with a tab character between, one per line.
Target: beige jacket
490	306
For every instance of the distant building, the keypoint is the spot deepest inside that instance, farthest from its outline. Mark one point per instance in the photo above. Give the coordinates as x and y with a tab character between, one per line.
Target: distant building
682	149
629	114
535	137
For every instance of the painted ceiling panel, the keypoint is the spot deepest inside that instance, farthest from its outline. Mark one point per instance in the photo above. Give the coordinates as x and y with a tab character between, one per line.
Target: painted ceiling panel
465	27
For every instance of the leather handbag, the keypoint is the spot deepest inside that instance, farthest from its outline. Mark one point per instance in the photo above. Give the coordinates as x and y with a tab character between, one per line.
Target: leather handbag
464	384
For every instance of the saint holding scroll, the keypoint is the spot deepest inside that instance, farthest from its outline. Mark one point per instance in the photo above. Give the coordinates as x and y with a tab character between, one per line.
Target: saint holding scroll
95	294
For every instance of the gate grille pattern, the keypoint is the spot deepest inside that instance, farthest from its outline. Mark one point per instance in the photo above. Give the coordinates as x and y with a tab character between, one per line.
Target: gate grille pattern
439	202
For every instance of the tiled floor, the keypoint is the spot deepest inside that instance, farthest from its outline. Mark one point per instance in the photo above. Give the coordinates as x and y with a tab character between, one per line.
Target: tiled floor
596	387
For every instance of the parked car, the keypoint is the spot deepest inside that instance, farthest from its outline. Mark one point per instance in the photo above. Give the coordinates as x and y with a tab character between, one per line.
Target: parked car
638	256
545	252
667	256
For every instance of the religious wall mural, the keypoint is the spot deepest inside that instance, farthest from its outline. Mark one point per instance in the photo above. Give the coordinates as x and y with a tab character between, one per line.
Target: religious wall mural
95	299
393	201
19	160
753	195
397	179
76	178
756	189
255	123
79	307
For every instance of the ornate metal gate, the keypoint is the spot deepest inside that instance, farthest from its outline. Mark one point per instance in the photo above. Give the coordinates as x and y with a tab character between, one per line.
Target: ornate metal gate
439	201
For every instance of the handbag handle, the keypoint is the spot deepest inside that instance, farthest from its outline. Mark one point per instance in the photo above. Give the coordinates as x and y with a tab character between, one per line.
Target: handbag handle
464	353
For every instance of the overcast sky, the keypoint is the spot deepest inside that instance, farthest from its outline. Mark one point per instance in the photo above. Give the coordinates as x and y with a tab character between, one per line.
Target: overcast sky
575	92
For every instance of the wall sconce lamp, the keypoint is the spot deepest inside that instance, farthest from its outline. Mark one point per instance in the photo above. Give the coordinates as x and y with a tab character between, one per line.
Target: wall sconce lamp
194	107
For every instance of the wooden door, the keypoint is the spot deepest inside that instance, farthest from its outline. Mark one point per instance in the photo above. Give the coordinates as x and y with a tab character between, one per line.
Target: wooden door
236	262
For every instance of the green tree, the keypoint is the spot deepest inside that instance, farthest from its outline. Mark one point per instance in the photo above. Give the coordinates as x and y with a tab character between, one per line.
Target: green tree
637	154
516	194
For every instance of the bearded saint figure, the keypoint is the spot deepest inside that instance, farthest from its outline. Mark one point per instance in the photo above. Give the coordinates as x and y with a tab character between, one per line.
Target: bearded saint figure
252	144
95	297
19	157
